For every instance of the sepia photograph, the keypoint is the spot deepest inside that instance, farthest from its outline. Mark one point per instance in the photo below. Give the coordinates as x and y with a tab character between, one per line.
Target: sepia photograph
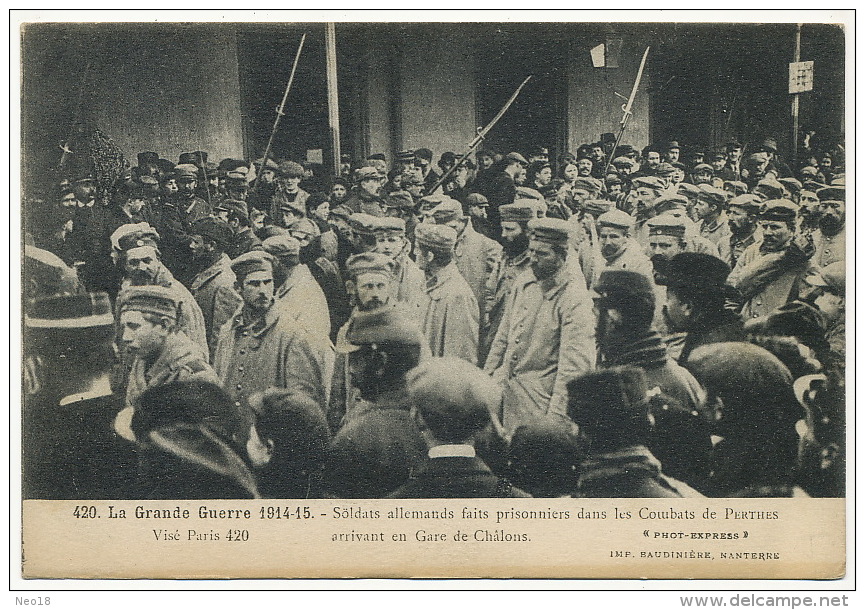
487	285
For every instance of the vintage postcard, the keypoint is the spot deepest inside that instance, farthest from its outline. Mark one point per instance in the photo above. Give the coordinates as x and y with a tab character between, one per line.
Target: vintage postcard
433	295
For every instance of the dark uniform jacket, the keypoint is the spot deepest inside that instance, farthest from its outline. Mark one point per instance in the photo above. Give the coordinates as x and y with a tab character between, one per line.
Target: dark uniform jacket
457	477
630	472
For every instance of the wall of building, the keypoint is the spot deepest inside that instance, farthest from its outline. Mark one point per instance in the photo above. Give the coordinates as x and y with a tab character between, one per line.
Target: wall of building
164	88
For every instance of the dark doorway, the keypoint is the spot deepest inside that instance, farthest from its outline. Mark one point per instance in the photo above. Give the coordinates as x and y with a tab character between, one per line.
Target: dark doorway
507	53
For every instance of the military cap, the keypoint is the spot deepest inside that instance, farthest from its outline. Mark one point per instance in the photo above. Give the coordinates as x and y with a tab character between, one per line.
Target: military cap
617	219
447	210
649	182
808	170
270	230
688	189
618	287
341	211
831	193
666	224
769	188
597	207
612	179
253	261
517	212
838	180
369	262
405	156
234	208
381	326
411	179
281	245
623	150
239	174
366	173
587	184
271	164
733	145
438	238
791	184
377	157
749	202
606	402
423	153
515	156
695	270
702	167
388	225
538	150
672	145
135	235
84	178
623	162
670	201
228	165
736	187
148	181
718	155
758	156
813	185
769	144
679	165
186	172
291	169
665	169
550	230
70	311
779	209
134	190
158	300
197	158
214	229
832	277
398	199
525	192
361	223
147	158
454	397
712	194
476	199
304	226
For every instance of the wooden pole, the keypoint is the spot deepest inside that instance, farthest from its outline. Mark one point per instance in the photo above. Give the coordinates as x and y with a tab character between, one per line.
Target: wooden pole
794	109
332	96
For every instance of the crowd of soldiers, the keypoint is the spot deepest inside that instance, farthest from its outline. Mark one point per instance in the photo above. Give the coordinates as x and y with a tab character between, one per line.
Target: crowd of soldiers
617	324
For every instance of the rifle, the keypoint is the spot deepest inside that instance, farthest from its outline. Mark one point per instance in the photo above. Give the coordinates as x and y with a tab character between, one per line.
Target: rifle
279	112
626	108
76	116
480	137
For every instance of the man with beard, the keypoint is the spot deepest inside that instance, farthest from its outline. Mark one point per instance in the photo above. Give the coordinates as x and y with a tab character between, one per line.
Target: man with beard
213	287
474	254
696	298
450	310
178	214
391	241
546	336
709	209
298	297
742	213
624	310
617	249
149	333
260	347
371	284
136	250
645	192
830	240
513	261
584	167
769	273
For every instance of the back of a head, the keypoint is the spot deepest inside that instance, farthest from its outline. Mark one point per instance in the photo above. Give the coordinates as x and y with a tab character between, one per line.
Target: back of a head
755	386
373	455
192	402
544	457
454	398
610	407
681	440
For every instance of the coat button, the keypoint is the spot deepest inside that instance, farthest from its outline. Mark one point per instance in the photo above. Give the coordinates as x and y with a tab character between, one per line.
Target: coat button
240	368
239	387
242	352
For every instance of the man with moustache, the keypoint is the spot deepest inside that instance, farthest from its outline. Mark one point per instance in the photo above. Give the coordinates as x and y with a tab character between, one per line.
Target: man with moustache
391	241
645	191
770	272
709	209
546	336
513	262
830	242
617	248
742	213
259	348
